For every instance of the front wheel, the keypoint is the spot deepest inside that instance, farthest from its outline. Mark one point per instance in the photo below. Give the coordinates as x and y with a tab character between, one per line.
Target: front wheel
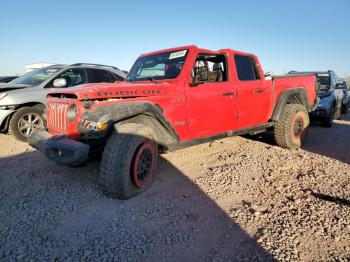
329	120
129	160
290	129
24	121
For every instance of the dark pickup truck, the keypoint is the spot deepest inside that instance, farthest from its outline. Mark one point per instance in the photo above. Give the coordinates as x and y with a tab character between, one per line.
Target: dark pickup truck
342	85
330	104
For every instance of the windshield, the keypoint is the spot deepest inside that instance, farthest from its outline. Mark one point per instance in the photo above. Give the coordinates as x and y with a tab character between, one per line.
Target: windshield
160	66
323	79
342	85
35	77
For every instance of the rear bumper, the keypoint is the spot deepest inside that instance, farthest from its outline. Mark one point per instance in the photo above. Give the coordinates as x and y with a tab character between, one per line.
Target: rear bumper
61	150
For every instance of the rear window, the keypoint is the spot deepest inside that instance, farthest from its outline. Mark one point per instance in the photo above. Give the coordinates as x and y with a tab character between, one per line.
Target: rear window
246	68
98	76
324	79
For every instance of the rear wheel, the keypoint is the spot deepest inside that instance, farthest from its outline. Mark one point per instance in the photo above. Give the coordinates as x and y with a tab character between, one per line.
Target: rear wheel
129	161
345	108
24	121
290	129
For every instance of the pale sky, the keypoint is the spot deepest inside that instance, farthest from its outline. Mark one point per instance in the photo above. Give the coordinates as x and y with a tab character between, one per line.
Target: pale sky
286	35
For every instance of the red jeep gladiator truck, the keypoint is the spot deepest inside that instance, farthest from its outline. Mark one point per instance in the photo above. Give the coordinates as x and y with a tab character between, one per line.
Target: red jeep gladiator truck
171	99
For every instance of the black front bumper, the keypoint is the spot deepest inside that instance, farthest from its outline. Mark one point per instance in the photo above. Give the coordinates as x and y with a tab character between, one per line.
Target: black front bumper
60	149
320	113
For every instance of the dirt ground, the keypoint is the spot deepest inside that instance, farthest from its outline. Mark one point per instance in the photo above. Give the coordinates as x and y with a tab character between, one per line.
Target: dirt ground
236	199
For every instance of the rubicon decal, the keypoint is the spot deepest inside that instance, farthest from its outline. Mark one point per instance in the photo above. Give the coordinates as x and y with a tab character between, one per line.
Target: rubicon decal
129	92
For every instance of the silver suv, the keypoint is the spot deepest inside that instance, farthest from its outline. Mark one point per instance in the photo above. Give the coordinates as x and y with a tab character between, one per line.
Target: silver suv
23	100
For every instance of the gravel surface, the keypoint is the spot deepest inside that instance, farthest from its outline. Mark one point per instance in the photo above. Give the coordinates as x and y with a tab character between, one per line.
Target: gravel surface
236	199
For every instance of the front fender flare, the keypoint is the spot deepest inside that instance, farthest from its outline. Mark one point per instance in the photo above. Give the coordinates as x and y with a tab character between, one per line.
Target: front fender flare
140	111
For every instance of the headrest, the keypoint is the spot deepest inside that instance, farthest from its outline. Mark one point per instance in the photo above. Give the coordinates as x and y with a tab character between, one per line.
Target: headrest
217	66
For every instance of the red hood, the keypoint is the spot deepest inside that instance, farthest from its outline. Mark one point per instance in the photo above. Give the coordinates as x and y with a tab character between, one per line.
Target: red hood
114	90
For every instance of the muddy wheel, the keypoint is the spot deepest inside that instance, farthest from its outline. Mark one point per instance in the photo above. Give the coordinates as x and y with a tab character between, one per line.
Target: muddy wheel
129	161
290	130
24	121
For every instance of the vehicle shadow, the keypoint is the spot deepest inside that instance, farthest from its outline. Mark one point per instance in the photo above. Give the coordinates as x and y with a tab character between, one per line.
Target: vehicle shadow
51	212
266	137
331	142
333	199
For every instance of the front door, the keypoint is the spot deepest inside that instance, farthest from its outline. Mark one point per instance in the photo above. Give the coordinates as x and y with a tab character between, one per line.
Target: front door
211	105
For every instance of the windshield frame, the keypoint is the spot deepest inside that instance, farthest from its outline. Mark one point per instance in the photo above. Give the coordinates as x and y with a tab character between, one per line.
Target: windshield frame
184	59
29	75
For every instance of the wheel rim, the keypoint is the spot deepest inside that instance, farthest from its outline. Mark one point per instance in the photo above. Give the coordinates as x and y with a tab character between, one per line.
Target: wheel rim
298	128
143	164
29	122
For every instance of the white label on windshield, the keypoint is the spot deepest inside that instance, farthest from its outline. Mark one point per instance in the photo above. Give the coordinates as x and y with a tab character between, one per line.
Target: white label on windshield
177	54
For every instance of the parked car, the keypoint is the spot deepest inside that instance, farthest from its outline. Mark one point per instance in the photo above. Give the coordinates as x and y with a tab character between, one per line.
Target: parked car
171	98
6	79
330	104
23	100
346	99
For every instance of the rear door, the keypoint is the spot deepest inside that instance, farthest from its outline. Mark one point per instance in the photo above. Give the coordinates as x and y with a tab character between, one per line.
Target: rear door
254	93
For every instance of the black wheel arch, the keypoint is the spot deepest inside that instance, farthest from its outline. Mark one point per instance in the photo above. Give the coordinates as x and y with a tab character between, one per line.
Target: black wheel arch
296	95
37	105
5	125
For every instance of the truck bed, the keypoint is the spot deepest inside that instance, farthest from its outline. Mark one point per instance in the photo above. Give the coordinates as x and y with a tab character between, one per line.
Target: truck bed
307	81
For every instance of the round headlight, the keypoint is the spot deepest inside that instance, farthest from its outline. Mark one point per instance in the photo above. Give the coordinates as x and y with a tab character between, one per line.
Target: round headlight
72	112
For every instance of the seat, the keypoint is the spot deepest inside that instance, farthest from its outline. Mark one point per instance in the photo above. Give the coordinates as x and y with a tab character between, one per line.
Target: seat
217	68
172	70
213	75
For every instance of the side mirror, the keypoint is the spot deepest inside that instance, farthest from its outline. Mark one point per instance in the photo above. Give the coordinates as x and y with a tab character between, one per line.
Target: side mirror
60	82
268	76
195	81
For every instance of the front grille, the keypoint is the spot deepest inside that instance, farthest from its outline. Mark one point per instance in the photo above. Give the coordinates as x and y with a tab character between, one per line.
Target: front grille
56	116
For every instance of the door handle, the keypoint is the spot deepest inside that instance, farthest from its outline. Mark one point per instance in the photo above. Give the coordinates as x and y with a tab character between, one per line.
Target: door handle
228	93
258	91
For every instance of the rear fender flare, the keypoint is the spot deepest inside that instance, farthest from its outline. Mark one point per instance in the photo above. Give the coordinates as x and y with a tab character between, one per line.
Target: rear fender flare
298	94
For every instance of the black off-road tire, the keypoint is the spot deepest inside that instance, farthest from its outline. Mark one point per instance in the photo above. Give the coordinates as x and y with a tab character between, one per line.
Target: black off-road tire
345	109
117	177
328	121
17	116
290	130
